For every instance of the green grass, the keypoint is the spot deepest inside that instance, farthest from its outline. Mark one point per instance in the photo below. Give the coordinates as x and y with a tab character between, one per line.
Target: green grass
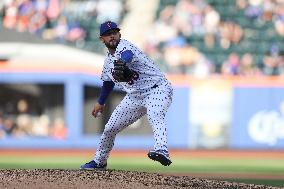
201	165
47	162
180	165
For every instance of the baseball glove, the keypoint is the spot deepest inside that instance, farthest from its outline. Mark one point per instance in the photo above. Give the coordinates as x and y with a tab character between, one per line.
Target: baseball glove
121	72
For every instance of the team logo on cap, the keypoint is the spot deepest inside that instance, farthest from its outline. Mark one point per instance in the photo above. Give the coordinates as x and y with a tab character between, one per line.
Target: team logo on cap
109	24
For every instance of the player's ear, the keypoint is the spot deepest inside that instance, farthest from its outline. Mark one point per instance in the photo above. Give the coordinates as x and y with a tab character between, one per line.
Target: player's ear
101	39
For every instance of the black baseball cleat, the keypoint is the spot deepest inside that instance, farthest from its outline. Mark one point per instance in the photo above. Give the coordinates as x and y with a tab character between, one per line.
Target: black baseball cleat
161	156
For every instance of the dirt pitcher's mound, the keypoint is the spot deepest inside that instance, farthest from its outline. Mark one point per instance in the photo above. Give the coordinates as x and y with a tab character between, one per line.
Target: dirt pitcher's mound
75	179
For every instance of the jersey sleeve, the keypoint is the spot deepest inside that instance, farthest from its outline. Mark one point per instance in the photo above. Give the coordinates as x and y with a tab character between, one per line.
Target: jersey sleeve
126	51
104	75
126	56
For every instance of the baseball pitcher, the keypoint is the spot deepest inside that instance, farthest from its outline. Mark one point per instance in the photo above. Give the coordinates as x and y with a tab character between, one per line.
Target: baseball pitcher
148	92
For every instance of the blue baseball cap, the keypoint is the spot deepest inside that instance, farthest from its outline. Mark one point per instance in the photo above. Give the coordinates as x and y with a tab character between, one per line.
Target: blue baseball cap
106	26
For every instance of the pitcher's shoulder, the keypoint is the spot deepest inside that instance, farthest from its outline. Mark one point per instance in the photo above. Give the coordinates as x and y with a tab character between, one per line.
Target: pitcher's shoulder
126	45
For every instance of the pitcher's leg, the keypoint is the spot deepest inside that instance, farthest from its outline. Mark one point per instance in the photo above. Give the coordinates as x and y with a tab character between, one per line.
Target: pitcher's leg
157	121
124	115
158	103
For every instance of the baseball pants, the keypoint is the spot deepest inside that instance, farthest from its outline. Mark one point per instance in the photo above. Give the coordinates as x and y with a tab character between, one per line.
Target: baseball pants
153	102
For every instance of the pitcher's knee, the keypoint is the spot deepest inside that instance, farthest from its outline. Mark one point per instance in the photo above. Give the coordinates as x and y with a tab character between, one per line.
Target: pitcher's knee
108	132
156	115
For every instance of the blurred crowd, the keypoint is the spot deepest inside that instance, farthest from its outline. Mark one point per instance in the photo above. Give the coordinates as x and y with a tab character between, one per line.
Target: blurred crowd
266	11
180	33
170	41
59	20
22	123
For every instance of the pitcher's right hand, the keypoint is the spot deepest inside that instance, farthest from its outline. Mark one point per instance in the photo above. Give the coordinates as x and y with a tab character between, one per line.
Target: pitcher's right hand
97	110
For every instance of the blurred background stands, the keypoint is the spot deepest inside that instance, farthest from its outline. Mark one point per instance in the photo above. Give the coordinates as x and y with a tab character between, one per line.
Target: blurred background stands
219	28
193	37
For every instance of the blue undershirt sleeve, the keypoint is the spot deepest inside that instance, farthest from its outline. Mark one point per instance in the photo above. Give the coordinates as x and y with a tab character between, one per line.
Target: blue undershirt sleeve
105	91
126	56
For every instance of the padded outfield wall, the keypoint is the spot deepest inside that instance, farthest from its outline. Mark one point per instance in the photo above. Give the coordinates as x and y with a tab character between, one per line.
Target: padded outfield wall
246	113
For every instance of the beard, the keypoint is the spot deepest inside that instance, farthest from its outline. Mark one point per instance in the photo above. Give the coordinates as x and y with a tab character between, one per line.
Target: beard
112	44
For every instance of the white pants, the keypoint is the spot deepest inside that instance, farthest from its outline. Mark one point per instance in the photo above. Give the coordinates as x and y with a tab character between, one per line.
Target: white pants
153	102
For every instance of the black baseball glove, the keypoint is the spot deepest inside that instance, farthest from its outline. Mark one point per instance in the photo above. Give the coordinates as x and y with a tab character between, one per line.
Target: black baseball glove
121	72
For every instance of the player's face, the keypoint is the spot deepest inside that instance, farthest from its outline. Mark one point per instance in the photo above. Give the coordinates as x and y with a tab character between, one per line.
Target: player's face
111	39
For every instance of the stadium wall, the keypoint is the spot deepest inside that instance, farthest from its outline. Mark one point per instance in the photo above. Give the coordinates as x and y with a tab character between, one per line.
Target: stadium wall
211	113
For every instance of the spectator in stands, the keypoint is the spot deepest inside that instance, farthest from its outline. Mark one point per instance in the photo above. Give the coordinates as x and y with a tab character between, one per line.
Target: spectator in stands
178	54
231	66
76	32
269	65
25	11
41	126
268	9
24	120
58	130
37	23
11	13
211	24
187	18
10	127
254	9
163	30
230	32
211	20
187	60
241	4
202	67
61	30
279	19
53	11
161	33
41	6
248	66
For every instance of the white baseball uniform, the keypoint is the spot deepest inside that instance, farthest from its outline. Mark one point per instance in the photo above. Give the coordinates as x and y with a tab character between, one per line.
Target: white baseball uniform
150	94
